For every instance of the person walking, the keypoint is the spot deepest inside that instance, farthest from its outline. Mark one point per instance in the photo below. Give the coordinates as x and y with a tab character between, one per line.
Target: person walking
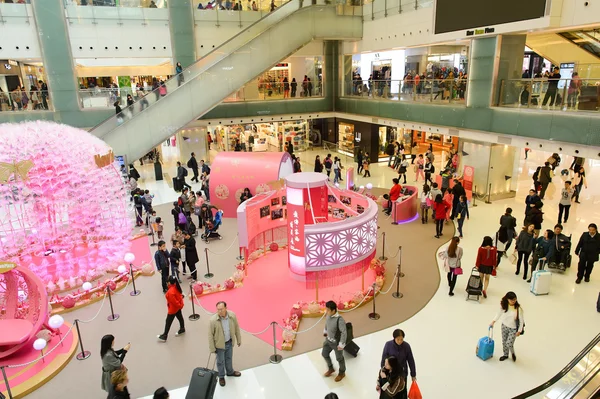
318	165
530	201
359	160
457	192
223	334
44	92
401	350
112	360
581	182
390	150
390	382
564	204
118	385
193	165
365	165
402	168
509	222
588	249
336	170
551	92
335	340
425	198
419	166
524	247
544	178
294	87
162	261
462	213
452	257
512	319
174	297
487	256
175	258
429	169
181	174
501	243
191	255
328	163
439	208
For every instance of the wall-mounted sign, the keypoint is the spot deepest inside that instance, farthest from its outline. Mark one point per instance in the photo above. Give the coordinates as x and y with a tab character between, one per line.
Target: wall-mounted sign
480	31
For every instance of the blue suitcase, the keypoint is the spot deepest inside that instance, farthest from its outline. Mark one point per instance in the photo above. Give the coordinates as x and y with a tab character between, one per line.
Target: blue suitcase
485	346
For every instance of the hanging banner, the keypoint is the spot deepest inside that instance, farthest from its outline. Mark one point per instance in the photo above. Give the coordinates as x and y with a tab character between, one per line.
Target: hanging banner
468	176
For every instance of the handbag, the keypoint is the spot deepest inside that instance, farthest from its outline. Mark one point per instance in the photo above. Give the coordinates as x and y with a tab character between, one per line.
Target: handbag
414	392
494	272
517	322
457	271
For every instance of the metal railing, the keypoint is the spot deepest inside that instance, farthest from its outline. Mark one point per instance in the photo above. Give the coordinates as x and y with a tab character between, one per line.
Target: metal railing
238	5
375	9
442	91
254	91
24	101
118	3
15	13
551	94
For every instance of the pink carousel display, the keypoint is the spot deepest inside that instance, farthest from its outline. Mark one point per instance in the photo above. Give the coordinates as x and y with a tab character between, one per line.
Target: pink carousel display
63	204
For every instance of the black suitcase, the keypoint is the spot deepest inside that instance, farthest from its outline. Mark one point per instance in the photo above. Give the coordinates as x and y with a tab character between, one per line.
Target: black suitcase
598	303
177	186
203	383
352	348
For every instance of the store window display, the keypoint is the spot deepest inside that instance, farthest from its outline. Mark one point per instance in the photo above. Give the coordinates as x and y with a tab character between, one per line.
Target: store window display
346	139
262	137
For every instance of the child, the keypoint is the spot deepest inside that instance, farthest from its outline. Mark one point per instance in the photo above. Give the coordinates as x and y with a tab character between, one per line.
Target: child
158	223
425	203
402	170
151	221
448	199
366	165
148	197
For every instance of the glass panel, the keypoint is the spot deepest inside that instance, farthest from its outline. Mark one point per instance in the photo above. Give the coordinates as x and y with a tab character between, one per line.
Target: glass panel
220	73
422	90
375	9
572	94
15	13
119	3
25	100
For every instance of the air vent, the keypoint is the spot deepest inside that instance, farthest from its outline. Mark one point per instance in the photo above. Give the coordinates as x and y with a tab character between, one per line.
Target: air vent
504	140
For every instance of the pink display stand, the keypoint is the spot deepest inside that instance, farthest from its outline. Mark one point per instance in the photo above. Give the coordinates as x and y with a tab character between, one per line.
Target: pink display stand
237	170
407	210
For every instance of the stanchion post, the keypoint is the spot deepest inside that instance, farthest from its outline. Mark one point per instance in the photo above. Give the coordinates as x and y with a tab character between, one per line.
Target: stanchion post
152	234
241	255
474	195
275	358
135	291
488	201
383	257
374	315
112	316
397	294
400	262
208	273
194	316
6	382
394	222
83	354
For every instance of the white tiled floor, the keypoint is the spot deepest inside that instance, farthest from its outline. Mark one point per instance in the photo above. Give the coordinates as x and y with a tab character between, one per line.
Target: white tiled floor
443	335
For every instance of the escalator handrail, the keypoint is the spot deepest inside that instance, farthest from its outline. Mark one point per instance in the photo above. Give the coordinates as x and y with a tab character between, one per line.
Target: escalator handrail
562	372
123	113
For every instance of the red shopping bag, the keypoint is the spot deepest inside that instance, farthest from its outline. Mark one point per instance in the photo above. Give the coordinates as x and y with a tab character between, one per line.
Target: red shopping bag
415	392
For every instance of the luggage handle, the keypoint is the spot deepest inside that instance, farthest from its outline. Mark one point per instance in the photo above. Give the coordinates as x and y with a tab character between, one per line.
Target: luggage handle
491	333
541	264
208	361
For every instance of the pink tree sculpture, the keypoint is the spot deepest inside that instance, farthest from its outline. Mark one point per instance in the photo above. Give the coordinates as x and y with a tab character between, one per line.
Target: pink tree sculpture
63	203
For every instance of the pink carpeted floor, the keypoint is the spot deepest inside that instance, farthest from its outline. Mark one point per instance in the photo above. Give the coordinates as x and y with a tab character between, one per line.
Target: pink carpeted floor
269	292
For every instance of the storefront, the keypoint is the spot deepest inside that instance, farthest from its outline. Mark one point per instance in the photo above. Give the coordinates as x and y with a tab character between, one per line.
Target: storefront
367	137
270	136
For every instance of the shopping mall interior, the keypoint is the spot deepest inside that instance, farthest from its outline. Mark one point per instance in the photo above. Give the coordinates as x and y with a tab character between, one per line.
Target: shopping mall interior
108	108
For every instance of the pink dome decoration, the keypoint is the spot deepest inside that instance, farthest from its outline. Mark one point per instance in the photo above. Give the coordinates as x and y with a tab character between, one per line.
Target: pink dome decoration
64	210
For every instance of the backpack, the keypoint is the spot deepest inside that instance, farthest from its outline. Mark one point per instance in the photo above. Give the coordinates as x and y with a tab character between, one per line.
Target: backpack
432	169
536	174
185	172
207	169
181	219
189	163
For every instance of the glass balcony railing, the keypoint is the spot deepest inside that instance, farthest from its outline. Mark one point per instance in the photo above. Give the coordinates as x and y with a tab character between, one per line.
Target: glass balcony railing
118	3
554	95
439	91
15	12
375	9
238	5
277	91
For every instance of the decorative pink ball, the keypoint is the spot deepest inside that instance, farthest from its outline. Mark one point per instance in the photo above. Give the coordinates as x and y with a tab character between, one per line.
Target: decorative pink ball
238	276
147	269
59	227
341	305
379	270
111	285
68	302
288	335
297	312
229	284
274	247
198	289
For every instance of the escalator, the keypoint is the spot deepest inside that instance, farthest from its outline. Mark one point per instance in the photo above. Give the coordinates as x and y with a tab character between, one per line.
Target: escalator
203	85
588	40
580	379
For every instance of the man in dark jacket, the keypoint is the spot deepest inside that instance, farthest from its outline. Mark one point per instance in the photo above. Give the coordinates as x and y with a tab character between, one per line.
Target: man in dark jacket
510	223
389	150
530	202
193	164
181	174
400	350
457	192
191	254
562	246
161	259
588	250
544	178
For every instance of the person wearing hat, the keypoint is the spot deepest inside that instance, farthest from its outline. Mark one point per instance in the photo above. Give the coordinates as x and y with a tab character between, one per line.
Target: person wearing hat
588	250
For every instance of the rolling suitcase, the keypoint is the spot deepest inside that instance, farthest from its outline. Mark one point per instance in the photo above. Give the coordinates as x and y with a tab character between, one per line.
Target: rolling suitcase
485	346
177	186
352	348
540	280
203	382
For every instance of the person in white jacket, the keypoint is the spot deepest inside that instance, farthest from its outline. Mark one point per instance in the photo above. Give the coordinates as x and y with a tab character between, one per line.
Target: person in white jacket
452	262
513	322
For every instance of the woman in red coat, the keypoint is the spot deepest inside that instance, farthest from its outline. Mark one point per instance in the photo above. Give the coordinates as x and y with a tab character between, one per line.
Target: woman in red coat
440	207
174	298
486	261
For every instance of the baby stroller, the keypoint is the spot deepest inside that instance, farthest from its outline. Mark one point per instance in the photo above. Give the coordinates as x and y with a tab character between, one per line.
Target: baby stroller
474	285
210	231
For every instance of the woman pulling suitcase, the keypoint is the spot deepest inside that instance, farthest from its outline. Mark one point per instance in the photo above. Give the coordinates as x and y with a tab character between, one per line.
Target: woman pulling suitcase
513	323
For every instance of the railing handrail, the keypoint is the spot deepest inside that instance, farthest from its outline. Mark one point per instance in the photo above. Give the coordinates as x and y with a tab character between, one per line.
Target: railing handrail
206	57
547	79
562	372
